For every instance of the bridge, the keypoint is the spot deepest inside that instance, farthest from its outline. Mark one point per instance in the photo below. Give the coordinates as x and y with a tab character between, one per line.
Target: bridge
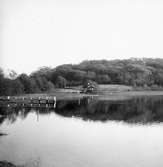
28	101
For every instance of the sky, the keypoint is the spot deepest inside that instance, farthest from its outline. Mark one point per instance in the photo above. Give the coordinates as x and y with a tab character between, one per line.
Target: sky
36	33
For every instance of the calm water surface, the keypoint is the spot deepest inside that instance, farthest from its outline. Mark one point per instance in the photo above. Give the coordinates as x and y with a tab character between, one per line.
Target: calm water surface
85	133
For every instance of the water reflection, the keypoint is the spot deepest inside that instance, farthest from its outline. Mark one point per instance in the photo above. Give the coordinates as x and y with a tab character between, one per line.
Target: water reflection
46	136
136	110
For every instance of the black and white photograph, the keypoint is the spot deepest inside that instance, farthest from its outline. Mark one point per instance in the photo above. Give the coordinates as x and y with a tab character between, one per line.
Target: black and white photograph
81	83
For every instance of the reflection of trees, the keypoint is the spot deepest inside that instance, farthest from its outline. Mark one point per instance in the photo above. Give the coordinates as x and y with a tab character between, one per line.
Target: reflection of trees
2	118
142	109
11	114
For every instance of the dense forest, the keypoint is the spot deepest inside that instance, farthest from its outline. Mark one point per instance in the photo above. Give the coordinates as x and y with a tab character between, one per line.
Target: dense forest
145	73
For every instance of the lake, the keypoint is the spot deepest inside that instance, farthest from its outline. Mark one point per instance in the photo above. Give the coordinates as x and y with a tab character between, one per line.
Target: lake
84	132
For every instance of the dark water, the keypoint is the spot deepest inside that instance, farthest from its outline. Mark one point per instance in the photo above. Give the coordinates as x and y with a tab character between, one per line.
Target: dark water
84	132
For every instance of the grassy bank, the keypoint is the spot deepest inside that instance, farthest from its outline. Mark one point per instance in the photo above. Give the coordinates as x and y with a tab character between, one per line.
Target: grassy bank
58	95
114	88
106	92
105	96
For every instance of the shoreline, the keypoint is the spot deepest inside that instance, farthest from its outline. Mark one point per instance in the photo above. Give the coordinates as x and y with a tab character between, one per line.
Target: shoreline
102	95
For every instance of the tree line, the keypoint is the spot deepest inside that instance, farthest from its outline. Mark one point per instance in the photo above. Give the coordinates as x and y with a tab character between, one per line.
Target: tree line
134	72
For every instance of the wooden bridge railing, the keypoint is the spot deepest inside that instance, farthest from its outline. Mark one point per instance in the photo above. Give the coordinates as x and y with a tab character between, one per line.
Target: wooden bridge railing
30	101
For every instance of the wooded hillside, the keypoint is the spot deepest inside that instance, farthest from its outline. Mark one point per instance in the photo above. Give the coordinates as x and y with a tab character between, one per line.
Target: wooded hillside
144	72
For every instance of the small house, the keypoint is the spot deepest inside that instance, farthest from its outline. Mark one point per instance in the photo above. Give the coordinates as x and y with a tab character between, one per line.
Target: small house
90	88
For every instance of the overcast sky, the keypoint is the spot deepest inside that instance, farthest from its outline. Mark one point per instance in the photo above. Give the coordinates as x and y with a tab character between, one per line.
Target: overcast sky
35	33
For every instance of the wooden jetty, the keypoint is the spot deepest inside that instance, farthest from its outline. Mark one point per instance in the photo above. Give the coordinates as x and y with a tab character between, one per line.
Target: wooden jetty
28	101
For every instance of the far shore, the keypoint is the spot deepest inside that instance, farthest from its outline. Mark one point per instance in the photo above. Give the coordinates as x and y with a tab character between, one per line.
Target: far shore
119	95
104	92
128	95
116	95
